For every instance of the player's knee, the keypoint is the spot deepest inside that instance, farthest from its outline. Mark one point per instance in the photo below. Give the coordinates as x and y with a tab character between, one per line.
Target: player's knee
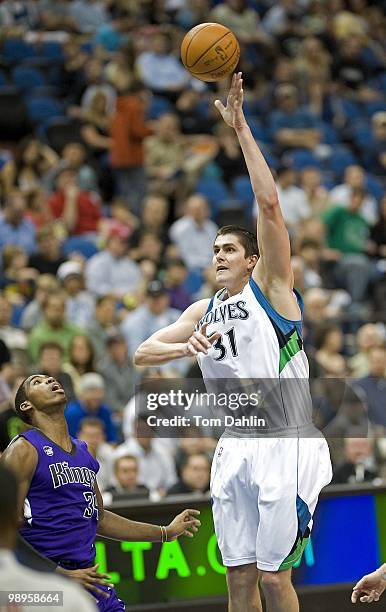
274	583
241	577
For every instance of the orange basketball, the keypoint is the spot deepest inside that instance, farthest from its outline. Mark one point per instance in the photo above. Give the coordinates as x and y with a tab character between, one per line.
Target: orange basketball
210	51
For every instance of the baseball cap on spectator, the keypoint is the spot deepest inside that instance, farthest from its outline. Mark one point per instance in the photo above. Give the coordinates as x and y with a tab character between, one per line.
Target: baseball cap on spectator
91	380
69	268
155	288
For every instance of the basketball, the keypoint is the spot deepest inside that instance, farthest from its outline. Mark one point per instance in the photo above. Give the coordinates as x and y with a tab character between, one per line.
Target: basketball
210	52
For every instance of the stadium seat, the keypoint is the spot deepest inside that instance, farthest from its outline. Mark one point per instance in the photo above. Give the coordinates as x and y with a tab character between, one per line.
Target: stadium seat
16	49
243	190
59	131
27	77
330	135
77	244
376	106
340	158
158	106
14	123
215	191
302	158
258	131
361	133
374	187
41	109
51	49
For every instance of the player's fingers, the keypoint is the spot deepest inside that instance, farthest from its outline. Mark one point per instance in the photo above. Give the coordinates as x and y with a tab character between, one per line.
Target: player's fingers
354	596
187	533
97	575
190	348
198	345
220	106
193	523
202	338
99	592
192	512
214	337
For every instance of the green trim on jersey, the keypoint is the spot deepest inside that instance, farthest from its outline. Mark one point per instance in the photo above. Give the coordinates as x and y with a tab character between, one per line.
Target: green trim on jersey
295	555
289	350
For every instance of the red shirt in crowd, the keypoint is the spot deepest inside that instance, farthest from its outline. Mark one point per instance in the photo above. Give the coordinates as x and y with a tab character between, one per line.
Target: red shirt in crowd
89	210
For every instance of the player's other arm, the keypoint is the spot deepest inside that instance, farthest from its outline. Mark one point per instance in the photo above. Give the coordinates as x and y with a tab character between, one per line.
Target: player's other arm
177	340
274	265
370	587
22	458
115	527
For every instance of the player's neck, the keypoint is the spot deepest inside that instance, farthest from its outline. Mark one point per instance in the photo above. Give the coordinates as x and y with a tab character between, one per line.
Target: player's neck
54	426
234	289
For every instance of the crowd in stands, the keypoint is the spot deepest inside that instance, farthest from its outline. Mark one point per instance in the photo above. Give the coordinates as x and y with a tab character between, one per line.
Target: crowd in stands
116	171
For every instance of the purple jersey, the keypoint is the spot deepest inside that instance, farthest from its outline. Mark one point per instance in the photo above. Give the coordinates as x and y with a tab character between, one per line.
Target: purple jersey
60	511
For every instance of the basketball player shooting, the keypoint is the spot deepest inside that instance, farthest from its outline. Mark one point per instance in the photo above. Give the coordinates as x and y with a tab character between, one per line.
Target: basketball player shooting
264	489
63	508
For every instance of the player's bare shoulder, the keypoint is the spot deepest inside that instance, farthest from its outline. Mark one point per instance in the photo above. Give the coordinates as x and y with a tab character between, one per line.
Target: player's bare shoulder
21	457
196	311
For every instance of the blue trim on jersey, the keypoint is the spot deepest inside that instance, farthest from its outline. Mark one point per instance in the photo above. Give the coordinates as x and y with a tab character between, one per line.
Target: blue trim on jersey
304	515
300	300
286	325
210	306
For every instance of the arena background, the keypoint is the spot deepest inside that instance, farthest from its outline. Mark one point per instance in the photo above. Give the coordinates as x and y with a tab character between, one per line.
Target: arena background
115	171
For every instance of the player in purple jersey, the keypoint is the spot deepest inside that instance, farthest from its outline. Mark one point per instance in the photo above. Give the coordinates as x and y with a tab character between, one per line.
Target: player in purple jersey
60	502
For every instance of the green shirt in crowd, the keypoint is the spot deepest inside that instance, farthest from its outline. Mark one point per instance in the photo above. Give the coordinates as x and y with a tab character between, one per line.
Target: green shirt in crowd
43	332
346	231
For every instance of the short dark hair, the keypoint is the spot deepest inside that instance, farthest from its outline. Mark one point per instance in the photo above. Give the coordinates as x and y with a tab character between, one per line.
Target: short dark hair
118	459
247	238
9	495
20	398
51	345
91	422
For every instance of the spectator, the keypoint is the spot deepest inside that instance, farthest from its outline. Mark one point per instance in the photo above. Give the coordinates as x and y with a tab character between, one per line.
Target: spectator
54	327
194	234
291	125
368	336
48	256
116	368
195	475
347	232
229	158
359	464
374	152
111	270
329	346
95	83
154	314
50	363
7	173
103	324
377	242
90	404
241	19
92	431
80	304
293	200
46	285
81	360
35	159
311	184
79	210
160	70
88	16
176	275
15	229
13	337
156	466
155	211
112	34
119	72
126	485
373	386
128	131
74	157
312	62
354	178
38	211
18	279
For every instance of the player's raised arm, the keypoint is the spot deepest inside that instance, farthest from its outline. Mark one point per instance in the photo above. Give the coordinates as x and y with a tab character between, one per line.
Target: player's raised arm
177	340
274	264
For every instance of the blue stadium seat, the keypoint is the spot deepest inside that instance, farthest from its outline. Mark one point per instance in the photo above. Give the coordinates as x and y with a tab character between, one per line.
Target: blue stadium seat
51	49
340	158
330	135
374	187
215	191
361	133
16	49
243	190
302	158
77	244
259	132
375	106
41	109
158	106
27	77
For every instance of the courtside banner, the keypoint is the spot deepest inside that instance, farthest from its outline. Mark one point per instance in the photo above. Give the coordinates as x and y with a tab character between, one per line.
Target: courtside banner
277	407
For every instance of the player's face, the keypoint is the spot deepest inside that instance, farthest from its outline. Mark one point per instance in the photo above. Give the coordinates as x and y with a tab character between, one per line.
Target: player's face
44	391
229	260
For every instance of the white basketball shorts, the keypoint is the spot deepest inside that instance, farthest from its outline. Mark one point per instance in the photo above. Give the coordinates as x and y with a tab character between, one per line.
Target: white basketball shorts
264	493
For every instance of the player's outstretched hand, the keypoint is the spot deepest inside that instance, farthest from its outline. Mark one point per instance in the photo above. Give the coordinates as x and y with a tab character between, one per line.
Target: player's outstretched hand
183	524
199	342
233	113
369	588
89	578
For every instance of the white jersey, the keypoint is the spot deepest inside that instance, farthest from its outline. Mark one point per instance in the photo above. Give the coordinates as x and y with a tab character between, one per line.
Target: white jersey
260	345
